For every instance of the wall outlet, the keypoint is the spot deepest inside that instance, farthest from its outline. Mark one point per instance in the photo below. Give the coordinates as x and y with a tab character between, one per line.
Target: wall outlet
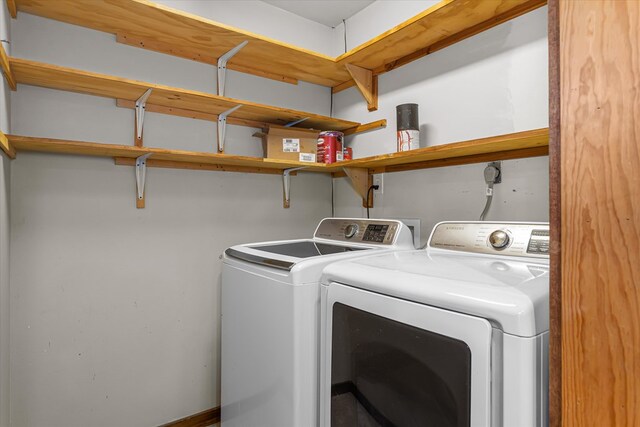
378	179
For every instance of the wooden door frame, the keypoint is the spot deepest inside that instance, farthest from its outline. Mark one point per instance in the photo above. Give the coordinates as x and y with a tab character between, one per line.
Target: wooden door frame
555	290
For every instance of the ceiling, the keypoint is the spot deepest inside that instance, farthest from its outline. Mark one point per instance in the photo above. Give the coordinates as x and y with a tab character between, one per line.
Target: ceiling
327	12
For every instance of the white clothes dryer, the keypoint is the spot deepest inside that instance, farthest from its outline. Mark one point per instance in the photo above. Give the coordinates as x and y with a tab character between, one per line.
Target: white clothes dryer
271	319
451	336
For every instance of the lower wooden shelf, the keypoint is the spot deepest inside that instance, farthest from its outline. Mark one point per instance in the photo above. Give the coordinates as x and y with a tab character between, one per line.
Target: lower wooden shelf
530	143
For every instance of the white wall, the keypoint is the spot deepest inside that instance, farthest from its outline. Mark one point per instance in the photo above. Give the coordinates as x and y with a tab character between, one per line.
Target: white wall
5	172
114	310
490	84
273	22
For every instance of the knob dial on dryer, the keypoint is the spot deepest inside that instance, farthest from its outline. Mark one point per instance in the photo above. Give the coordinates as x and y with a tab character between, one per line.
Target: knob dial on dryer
499	239
351	230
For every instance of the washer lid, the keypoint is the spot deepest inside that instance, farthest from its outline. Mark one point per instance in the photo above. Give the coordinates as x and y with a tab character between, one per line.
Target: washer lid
284	255
512	294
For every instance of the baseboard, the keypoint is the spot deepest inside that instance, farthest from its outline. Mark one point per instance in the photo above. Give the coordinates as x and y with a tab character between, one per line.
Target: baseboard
201	419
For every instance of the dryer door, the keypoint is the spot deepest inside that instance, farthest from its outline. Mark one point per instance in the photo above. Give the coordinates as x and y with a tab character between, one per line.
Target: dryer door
392	362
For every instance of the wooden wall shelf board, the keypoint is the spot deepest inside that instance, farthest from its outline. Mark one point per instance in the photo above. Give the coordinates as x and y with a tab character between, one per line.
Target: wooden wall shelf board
69	79
516	145
190	36
147	25
442	25
24	143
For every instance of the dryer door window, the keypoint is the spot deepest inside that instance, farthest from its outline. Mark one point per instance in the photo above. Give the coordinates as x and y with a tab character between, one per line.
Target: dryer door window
392	362
386	373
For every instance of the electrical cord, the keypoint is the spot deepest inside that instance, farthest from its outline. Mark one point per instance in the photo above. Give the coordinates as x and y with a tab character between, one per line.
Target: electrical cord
344	23
373	187
333	205
491	174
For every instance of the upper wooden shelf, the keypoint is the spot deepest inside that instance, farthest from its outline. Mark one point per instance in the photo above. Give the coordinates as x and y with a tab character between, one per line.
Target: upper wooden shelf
151	26
252	114
510	146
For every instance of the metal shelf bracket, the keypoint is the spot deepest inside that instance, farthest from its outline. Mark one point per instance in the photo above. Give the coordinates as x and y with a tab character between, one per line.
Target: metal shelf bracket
286	185
140	108
295	122
141	172
222	66
222	126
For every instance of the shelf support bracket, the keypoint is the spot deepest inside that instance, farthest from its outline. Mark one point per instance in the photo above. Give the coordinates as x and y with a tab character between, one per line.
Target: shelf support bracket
222	127
367	84
361	180
286	186
141	105
141	174
222	66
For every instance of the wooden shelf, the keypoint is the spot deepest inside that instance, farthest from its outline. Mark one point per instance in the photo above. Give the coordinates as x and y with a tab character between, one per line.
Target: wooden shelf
151	26
251	164
530	143
182	100
515	145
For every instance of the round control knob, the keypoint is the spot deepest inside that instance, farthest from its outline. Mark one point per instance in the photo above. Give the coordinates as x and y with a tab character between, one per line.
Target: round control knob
350	230
499	239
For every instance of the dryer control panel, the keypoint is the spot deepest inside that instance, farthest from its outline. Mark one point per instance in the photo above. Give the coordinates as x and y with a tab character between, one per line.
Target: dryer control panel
510	238
368	231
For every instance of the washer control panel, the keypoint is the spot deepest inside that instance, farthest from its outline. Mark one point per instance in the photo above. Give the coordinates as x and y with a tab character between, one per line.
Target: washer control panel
511	239
370	231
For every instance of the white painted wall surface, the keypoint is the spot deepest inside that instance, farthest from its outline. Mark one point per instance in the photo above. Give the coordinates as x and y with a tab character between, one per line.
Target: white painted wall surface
5	177
115	311
375	19
490	84
261	18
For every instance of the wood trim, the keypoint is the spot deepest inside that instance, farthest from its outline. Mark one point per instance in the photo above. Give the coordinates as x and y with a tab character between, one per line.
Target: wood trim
600	211
6	146
201	419
13	11
555	185
6	68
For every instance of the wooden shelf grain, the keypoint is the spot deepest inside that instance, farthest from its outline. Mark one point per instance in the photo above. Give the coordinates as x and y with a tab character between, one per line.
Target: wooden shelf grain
510	146
151	26
48	145
251	114
530	143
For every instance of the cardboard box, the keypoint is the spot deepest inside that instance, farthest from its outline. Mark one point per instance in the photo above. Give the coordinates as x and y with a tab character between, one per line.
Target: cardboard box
290	143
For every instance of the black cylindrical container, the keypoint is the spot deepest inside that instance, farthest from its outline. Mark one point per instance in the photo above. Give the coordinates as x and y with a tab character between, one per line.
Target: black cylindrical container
408	127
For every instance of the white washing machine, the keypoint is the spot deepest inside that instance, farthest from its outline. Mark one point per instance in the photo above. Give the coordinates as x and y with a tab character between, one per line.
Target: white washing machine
271	319
454	335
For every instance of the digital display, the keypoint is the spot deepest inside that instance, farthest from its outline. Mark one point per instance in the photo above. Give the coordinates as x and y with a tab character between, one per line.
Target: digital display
539	242
375	233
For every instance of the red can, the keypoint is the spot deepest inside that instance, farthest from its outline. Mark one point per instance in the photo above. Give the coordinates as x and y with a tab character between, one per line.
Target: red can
345	154
329	145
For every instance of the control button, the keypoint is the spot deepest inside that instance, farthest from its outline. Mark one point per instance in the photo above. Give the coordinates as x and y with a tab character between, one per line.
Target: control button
499	239
350	230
